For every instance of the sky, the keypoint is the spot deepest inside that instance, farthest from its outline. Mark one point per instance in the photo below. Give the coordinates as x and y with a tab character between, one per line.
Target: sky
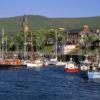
50	8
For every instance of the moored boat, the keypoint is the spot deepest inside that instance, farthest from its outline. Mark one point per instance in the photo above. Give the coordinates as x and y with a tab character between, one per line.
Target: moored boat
90	74
35	63
93	72
93	69
71	67
53	61
10	63
84	65
60	63
56	62
5	61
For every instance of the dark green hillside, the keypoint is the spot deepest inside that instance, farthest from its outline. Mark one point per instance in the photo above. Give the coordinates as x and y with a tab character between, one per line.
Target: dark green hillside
40	22
74	23
14	23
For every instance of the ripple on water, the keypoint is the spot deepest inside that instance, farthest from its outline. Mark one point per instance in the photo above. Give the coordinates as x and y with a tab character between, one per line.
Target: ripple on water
49	83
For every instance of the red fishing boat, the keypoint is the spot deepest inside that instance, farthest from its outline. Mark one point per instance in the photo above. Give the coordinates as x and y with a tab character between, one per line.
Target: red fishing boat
10	63
4	62
71	67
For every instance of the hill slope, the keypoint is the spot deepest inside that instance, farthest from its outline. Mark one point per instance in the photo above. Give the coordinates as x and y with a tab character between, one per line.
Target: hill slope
72	23
38	22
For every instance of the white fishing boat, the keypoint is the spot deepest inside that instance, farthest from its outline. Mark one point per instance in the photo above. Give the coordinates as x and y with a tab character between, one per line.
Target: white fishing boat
29	55
53	61
24	62
60	63
36	63
84	65
46	62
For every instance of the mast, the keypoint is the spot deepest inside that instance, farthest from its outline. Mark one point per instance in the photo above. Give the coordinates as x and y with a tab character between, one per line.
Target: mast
6	44
25	30
2	45
25	44
56	44
31	43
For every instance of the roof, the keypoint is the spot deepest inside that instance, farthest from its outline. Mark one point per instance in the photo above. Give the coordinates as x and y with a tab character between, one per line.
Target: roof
73	31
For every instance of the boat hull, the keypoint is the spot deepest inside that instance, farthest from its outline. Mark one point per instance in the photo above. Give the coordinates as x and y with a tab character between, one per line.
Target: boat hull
71	70
11	63
6	66
91	74
32	65
84	74
60	63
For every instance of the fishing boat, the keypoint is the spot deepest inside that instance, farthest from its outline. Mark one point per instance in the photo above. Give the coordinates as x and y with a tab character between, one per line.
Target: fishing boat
84	65
55	62
71	67
36	63
46	62
93	74
93	71
10	63
60	63
29	56
7	62
90	74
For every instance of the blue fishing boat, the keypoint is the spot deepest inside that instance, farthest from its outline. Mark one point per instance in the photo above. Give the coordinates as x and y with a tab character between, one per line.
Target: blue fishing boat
92	73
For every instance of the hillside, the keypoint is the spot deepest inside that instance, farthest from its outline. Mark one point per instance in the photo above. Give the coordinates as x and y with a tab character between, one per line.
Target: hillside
14	24
37	22
74	23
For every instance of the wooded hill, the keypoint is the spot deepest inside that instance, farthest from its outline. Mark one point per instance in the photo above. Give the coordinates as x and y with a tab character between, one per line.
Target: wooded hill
13	24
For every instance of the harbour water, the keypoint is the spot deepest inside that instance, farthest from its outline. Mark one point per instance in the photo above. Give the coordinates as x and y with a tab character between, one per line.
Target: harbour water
47	83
